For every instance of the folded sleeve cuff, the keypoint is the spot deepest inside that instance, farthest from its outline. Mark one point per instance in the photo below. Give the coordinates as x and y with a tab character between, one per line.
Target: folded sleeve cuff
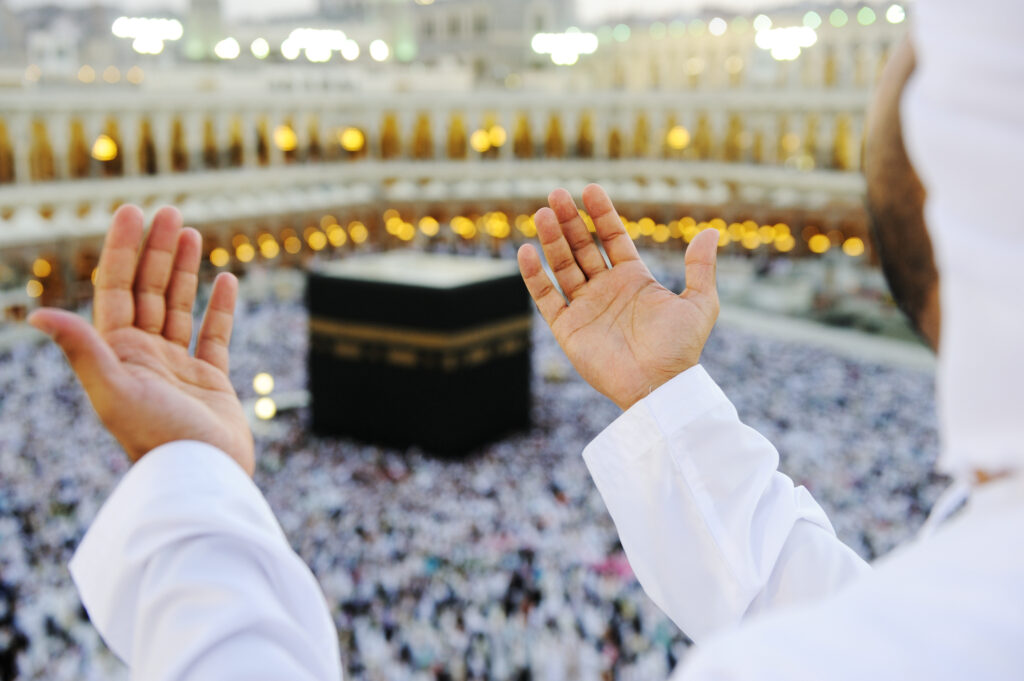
670	408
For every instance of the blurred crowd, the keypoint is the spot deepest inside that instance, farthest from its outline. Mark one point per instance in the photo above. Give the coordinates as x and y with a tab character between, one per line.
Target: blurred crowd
502	566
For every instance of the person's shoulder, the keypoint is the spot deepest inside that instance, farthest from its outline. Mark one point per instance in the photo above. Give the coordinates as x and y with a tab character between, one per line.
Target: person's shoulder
947	607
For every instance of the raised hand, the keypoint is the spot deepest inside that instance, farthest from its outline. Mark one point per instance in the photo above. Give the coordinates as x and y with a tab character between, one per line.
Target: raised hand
623	331
134	364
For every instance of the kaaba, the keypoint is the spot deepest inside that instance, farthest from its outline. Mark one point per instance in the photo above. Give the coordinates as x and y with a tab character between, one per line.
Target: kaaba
419	349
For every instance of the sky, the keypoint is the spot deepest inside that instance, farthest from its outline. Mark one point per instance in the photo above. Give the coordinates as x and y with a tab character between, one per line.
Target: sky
589	10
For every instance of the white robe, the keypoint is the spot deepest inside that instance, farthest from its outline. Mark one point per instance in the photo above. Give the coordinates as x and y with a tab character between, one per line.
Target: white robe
187	575
718	538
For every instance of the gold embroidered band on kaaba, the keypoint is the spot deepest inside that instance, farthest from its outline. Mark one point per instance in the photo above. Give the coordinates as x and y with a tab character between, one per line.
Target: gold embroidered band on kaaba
444	350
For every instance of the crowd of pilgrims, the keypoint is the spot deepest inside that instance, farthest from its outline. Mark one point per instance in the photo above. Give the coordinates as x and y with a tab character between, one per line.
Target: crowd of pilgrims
502	566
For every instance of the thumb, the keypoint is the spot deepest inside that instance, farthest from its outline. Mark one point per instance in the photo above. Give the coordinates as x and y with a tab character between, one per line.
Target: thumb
700	260
92	360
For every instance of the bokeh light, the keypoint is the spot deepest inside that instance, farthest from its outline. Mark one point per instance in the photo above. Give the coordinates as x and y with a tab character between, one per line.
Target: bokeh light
263	383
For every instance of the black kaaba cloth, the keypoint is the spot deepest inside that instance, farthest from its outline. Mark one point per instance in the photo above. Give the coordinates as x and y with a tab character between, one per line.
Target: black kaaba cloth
410	348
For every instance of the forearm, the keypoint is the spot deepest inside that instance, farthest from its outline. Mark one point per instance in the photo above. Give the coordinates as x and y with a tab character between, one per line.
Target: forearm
712	530
187	575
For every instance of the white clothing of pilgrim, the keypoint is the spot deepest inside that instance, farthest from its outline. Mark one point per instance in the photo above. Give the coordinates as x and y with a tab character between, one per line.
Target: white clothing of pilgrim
187	574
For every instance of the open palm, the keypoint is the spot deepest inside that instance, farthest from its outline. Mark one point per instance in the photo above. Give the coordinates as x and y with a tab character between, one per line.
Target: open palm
623	331
135	364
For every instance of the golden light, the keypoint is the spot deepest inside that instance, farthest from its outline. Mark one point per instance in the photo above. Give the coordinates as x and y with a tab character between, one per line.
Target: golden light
42	268
767	234
239	239
391	214
406	232
104	148
245	252
791	142
689	231
497	136
33	288
480	140
633	230
678	138
646	226
717	223
263	383
358	232
219	257
526	226
819	243
112	74
285	138
327	220
293	244
351	139
660	234
785	243
135	75
265	408
782	229
86	74
429	226
93	275
461	224
393	225
317	240
723	238
853	247
735	231
269	249
750	241
336	235
687	222
497	225
588	221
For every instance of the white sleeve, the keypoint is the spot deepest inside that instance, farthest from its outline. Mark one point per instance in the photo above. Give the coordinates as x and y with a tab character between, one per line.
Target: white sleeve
712	530
187	575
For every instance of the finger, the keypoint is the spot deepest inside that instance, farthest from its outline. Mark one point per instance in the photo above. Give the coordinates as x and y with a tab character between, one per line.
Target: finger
556	250
154	270
616	242
584	250
547	298
181	291
215	332
114	303
92	360
701	261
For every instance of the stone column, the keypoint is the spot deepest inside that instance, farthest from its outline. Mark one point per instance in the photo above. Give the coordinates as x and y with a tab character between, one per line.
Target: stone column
160	125
20	136
130	128
250	157
58	129
506	118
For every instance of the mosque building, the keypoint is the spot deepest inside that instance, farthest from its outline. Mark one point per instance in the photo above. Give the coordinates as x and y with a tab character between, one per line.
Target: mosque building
752	125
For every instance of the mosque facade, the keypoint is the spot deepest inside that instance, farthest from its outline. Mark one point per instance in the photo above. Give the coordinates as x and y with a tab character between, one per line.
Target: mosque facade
689	124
